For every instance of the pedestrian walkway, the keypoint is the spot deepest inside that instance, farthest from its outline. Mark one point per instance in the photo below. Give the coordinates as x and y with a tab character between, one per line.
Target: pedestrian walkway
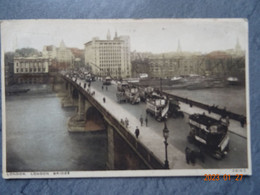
234	126
148	136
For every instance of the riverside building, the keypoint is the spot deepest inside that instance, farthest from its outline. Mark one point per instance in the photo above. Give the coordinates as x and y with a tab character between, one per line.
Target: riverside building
31	69
110	57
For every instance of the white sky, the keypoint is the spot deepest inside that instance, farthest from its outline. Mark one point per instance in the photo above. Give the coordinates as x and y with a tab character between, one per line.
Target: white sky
153	35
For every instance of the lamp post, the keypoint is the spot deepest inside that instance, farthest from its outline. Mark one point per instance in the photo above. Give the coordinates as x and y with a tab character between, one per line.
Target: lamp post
166	135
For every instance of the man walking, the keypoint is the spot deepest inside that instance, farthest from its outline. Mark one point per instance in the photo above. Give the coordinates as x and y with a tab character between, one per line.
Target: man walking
188	154
146	121
104	99
141	120
126	122
137	132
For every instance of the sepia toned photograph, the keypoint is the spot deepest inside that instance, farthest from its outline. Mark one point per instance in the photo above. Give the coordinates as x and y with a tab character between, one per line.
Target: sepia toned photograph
125	98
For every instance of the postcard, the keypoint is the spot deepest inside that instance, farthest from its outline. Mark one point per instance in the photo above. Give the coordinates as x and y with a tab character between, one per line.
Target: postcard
125	98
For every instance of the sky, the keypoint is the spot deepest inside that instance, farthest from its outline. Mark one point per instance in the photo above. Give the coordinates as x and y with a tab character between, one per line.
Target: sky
146	35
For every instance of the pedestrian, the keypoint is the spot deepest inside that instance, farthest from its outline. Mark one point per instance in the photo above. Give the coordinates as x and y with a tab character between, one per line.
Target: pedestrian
126	122
187	154
227	120
141	120
106	87
102	87
146	121
104	99
242	121
85	84
88	85
137	132
122	121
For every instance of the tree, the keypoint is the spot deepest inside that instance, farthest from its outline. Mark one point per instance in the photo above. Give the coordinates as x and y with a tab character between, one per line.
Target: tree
27	52
9	57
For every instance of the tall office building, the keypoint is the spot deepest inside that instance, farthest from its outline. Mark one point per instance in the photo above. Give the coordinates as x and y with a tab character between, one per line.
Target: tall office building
109	57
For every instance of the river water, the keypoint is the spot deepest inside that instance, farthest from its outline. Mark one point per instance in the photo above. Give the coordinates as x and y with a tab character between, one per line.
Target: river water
233	98
37	136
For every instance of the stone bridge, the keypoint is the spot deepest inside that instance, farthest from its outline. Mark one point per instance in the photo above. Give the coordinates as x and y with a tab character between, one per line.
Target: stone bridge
124	150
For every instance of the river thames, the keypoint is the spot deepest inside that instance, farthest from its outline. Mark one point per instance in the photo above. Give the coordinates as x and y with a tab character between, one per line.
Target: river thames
37	138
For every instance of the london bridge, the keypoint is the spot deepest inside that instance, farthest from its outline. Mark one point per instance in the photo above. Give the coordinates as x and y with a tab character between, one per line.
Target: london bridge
151	137
60	116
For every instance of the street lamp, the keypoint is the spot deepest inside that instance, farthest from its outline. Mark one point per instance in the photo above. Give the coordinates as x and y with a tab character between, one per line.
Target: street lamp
166	135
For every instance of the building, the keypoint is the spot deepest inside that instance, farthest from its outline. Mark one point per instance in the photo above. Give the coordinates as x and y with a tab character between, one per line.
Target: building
220	64
162	67
30	69
78	57
64	54
9	73
49	51
60	57
109	57
9	68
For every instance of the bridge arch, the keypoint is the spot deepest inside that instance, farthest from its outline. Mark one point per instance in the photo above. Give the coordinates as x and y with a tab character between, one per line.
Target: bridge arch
75	93
94	119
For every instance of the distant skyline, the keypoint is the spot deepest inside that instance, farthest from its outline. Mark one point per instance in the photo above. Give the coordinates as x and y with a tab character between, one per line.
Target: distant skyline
146	35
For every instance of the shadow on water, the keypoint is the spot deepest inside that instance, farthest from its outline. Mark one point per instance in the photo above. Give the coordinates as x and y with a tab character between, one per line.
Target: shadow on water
92	145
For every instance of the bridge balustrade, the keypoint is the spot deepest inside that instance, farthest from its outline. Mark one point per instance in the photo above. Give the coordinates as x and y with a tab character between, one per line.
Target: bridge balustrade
212	109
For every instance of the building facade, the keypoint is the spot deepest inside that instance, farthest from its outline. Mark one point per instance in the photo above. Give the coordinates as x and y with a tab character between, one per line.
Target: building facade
109	57
49	51
60	57
30	69
9	73
64	54
216	63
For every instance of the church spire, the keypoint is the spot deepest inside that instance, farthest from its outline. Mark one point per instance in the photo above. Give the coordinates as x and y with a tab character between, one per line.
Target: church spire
62	45
108	35
179	47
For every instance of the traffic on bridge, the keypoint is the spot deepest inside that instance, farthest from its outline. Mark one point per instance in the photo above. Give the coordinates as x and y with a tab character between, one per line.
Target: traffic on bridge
181	135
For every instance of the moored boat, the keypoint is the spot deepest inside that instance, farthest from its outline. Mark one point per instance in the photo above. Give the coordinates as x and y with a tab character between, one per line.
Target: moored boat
233	81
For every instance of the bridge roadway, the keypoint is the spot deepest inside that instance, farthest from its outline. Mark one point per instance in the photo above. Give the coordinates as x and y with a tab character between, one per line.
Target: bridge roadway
152	137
